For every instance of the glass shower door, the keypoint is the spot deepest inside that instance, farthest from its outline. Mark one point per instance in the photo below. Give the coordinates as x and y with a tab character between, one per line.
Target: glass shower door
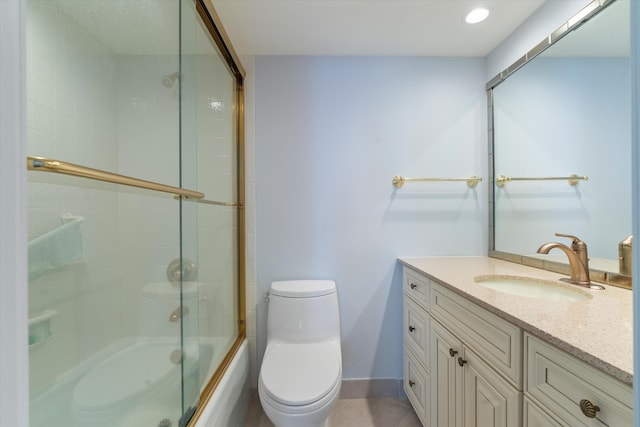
189	213
133	298
210	227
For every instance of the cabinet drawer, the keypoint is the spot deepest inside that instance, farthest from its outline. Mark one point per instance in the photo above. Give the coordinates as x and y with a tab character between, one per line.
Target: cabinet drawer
416	330
417	287
560	381
494	339
416	386
534	416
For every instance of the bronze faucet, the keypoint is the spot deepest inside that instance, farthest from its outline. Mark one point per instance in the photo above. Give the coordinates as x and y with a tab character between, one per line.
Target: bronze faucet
578	259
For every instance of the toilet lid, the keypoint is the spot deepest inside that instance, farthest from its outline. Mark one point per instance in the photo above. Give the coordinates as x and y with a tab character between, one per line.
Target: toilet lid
303	288
299	374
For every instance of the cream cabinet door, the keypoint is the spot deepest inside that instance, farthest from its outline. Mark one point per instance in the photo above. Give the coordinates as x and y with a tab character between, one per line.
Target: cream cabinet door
488	399
465	391
446	378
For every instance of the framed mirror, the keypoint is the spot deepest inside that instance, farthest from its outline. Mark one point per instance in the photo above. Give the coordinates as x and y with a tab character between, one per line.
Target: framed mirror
560	146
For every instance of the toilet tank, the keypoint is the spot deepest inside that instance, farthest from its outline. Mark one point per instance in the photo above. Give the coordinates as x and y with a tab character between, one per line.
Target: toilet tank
303	311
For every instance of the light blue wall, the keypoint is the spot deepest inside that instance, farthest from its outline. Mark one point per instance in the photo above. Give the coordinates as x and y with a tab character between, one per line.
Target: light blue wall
331	132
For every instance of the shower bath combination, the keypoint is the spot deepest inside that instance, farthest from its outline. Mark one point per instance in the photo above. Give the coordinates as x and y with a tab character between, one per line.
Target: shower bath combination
134	311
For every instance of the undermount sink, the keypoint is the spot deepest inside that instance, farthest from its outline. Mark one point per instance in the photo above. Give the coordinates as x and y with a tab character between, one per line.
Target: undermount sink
532	288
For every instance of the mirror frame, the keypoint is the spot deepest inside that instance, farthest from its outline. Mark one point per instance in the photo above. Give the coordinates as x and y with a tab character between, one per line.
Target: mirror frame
577	20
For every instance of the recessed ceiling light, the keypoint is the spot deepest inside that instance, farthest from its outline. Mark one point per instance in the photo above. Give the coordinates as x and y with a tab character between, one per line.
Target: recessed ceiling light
476	15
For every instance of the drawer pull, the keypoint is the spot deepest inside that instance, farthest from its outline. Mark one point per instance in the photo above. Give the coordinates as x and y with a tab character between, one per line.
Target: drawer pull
411	383
411	328
588	409
461	361
413	285
452	352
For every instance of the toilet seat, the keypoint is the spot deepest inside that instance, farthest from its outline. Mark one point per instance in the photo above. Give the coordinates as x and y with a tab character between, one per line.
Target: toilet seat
300	374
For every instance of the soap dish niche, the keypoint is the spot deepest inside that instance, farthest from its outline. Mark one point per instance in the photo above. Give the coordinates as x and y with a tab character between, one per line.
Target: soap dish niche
40	327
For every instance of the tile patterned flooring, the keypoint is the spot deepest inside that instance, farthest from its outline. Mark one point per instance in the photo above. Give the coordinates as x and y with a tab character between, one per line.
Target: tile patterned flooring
371	412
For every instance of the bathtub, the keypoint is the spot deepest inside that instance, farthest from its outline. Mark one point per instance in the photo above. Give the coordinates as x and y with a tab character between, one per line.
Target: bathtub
113	389
228	405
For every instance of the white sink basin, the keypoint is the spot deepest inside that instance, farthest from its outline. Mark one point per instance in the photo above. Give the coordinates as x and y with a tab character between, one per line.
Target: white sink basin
532	288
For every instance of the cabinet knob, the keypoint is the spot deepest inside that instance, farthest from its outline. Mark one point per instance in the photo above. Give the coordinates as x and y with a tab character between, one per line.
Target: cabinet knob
461	361
452	352
413	285
411	383
588	409
411	328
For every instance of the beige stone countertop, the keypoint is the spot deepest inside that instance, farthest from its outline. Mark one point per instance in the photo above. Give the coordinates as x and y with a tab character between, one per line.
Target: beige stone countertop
596	330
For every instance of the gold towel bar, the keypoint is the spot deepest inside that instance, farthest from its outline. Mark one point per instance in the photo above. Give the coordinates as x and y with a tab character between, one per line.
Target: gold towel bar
57	166
573	179
472	181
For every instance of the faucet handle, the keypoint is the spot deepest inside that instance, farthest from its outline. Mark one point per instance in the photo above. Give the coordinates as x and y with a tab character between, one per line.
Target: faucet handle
567	235
576	243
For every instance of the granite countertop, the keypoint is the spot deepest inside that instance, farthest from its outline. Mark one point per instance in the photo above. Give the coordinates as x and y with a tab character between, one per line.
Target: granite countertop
597	330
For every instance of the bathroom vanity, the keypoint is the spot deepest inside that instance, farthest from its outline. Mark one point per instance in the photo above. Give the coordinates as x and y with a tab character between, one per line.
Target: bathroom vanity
477	356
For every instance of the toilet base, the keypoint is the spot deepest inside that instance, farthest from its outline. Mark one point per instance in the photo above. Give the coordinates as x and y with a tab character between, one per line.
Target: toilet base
325	423
318	417
304	420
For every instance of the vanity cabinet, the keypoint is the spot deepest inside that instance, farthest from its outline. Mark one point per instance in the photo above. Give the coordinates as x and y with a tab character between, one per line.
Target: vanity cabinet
446	375
464	366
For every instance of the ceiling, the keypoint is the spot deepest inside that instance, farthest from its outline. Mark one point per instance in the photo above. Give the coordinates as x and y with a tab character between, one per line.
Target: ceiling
369	27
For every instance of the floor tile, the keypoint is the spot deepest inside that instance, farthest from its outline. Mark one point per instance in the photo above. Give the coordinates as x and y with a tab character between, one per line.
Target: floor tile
372	412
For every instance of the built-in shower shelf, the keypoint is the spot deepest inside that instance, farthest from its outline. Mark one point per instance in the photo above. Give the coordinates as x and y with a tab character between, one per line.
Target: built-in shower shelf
40	327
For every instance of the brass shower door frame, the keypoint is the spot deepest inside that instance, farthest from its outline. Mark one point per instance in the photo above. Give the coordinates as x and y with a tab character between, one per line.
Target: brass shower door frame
213	24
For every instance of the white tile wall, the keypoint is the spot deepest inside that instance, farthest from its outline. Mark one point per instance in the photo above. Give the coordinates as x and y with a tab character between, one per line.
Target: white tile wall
64	80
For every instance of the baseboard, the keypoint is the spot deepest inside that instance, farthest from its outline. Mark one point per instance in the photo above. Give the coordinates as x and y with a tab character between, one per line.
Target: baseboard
372	388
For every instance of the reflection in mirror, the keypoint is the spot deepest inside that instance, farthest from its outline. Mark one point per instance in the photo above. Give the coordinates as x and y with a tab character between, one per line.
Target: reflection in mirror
565	112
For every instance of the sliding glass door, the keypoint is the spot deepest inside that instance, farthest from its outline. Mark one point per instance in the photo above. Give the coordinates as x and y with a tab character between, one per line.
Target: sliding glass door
134	211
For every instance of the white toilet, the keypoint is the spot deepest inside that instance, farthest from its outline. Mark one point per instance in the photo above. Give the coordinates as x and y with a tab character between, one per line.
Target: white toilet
301	370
